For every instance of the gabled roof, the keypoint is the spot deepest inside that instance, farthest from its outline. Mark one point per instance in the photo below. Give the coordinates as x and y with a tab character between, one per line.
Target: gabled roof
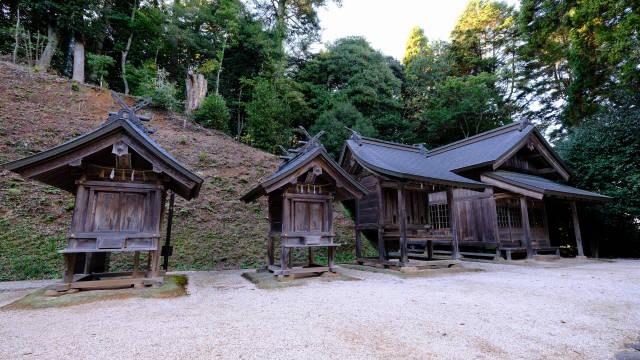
537	187
446	164
184	182
303	158
492	147
403	161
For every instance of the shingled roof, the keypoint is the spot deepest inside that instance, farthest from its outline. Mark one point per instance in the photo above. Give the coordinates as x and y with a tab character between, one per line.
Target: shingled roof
184	182
403	161
489	147
304	156
538	187
448	164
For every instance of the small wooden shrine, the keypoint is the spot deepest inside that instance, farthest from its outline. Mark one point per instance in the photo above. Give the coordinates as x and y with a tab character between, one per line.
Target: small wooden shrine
300	199
120	178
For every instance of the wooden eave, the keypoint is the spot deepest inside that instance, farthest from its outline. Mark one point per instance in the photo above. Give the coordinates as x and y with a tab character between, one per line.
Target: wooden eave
57	165
544	149
341	177
382	172
535	192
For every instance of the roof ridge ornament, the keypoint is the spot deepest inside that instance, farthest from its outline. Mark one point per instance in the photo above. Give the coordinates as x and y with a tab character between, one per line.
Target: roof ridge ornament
355	136
423	149
524	123
129	113
311	142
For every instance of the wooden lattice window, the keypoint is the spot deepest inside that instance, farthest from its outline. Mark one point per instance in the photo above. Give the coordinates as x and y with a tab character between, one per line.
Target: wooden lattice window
509	214
439	216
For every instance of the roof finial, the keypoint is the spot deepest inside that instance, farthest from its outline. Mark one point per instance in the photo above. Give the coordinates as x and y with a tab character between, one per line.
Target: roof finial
524	123
355	136
423	149
129	113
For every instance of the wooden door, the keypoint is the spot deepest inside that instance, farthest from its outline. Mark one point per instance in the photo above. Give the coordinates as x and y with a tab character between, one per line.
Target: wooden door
308	216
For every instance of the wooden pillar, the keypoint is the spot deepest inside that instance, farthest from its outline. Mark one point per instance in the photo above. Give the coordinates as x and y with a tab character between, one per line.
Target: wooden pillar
402	218
311	257
270	250
357	224
87	263
136	264
453	225
429	248
526	228
284	252
381	250
69	267
576	227
155	263
330	256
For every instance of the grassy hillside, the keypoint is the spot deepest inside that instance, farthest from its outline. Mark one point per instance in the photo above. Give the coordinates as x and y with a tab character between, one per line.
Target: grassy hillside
215	231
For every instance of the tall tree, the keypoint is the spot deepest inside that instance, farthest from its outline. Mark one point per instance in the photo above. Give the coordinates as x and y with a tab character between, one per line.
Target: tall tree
353	72
417	44
578	55
295	25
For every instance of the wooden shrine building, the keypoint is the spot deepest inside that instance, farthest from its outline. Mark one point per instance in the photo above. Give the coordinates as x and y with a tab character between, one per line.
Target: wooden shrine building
487	195
300	200
120	178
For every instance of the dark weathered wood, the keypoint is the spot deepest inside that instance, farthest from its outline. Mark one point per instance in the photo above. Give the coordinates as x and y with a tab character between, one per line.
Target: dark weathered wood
403	224
357	231
576	227
525	227
167	250
453	223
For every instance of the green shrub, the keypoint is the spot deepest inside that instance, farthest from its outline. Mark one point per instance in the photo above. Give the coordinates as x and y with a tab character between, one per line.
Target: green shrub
99	66
213	113
151	81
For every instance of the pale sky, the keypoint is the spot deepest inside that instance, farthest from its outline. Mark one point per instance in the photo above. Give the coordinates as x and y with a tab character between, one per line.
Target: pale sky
386	23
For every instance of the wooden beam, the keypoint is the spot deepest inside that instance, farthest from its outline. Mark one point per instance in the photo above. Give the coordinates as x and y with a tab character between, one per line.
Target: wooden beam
576	228
453	225
381	252
358	238
526	228
69	267
512	188
402	218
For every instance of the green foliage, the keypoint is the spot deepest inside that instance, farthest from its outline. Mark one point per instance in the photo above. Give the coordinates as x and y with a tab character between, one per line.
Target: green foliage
213	113
26	253
150	81
603	151
577	56
99	66
463	106
269	112
417	44
335	122
350	71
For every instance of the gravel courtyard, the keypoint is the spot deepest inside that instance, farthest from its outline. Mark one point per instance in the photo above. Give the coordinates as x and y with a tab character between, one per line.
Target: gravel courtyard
562	310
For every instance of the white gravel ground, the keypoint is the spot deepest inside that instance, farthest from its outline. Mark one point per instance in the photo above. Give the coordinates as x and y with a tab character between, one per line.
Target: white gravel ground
573	311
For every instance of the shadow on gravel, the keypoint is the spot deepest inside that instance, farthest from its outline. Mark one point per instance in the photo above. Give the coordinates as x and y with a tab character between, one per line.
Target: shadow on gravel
174	286
267	281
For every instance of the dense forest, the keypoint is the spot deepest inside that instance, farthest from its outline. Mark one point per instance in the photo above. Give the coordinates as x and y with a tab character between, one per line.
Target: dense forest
245	68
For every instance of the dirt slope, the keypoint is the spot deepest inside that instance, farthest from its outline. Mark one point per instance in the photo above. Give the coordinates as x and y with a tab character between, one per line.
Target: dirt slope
215	231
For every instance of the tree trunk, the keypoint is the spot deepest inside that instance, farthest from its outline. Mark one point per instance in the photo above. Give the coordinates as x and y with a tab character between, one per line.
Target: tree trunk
125	53
224	46
50	49
196	90
17	37
78	62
